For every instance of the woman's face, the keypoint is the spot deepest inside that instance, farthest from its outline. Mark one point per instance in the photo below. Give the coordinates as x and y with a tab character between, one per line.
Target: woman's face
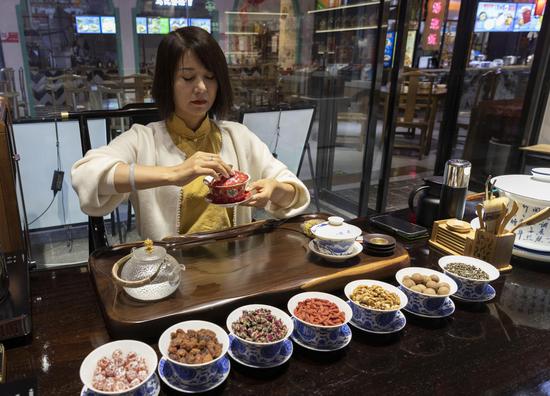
195	90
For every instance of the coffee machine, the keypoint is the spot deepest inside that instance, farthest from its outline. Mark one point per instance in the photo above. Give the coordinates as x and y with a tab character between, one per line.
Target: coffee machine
15	307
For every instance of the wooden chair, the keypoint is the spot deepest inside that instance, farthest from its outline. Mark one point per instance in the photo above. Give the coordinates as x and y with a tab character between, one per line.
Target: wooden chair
416	110
485	90
352	129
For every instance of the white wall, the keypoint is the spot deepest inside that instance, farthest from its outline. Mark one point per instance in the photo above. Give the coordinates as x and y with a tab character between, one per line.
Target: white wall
12	51
544	137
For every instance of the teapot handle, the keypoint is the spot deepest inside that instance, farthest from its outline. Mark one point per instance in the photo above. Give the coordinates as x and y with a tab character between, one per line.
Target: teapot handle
132	284
413	194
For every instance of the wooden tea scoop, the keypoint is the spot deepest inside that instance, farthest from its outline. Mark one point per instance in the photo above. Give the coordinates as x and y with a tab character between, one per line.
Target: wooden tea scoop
536	218
507	218
493	209
500	219
479	211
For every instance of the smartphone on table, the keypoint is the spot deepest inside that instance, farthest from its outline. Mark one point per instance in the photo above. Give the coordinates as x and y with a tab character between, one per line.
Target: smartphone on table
399	226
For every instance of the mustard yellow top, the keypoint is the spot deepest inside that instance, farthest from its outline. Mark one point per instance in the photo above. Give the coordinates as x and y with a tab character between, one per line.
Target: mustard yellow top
196	214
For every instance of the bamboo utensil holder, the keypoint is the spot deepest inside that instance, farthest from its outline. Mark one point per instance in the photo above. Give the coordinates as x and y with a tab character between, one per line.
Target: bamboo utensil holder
495	249
447	240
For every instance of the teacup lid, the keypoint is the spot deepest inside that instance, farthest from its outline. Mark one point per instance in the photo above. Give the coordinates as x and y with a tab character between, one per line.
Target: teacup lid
336	229
149	253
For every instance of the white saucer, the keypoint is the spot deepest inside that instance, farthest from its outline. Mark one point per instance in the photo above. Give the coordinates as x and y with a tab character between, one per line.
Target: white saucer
300	342
224	366
357	248
445	310
283	357
150	388
487	297
229	205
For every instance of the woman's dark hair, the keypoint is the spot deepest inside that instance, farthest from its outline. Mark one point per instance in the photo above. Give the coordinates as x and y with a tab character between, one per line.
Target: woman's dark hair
169	54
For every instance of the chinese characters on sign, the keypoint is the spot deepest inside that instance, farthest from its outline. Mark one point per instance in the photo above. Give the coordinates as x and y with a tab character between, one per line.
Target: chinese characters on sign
431	38
9	37
174	3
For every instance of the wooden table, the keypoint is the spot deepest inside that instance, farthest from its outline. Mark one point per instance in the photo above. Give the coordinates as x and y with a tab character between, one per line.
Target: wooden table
541	151
498	348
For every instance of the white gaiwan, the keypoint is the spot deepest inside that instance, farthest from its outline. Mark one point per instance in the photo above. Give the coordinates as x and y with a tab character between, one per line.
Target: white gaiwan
532	195
334	237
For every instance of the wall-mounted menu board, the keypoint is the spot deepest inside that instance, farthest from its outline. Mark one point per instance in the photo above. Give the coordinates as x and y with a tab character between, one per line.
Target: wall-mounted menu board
141	25
176	23
204	23
507	17
161	25
88	24
158	25
108	25
94	24
495	17
526	20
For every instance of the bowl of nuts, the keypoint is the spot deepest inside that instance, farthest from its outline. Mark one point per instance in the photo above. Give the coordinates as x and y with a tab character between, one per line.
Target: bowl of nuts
259	335
374	304
427	290
320	321
471	275
191	351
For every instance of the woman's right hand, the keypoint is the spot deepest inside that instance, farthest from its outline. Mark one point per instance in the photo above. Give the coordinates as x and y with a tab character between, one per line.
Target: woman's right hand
200	164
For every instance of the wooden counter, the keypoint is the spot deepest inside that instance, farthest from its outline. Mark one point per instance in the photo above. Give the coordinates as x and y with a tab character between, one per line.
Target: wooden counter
498	348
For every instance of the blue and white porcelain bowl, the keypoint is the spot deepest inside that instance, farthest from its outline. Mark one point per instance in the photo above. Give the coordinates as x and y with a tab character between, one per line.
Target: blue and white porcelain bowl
258	353
89	364
470	289
194	374
425	304
334	237
318	336
370	318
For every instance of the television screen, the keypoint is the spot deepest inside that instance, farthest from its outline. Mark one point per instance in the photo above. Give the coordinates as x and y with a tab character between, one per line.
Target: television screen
526	20
87	24
141	25
495	17
204	23
176	23
108	25
158	25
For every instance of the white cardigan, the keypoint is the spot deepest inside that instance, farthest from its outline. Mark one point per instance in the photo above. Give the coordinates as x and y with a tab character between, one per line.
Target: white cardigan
157	209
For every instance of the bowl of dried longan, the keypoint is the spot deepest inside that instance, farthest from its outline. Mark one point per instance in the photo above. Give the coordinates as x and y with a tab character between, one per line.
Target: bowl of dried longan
426	289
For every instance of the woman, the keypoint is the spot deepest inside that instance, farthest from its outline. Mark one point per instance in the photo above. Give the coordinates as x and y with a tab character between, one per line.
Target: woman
161	166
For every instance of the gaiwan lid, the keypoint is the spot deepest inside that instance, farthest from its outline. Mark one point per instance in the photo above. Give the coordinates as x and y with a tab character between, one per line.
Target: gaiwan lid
335	229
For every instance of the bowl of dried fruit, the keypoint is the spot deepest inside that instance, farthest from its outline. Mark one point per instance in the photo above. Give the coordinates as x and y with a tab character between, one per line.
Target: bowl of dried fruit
427	290
320	320
119	367
192	350
259	335
471	275
374	304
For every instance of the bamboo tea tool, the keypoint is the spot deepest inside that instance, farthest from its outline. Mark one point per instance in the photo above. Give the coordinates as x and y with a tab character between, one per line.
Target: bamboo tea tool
507	218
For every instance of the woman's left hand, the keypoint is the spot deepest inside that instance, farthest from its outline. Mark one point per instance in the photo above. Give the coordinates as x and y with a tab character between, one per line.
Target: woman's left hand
282	194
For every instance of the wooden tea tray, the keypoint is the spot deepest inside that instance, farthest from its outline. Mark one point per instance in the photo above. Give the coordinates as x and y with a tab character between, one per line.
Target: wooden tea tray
263	262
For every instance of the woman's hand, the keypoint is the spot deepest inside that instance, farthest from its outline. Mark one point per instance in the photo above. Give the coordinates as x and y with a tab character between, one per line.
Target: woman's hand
199	164
281	194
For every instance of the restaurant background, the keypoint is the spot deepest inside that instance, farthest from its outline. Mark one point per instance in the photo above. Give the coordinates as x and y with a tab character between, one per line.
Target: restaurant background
377	73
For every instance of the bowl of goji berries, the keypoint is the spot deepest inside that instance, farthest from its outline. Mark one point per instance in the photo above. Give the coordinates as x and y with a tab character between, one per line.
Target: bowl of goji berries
320	320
